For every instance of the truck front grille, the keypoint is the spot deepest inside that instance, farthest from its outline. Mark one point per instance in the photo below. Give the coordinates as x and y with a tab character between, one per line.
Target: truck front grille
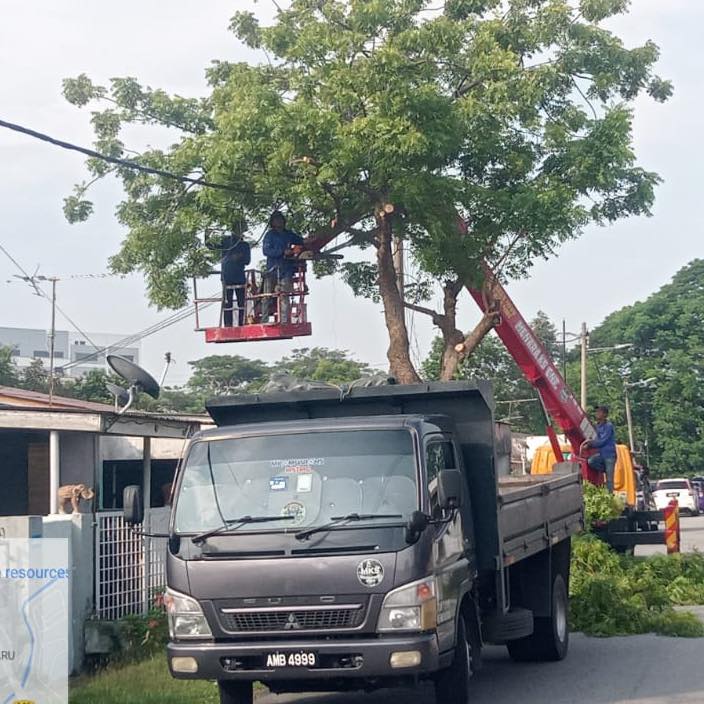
302	618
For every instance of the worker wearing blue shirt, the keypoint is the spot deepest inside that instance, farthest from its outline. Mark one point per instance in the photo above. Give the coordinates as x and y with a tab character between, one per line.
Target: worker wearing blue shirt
280	266
235	255
605	443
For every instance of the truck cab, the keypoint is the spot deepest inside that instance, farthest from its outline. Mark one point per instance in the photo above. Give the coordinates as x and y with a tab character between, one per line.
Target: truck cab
327	543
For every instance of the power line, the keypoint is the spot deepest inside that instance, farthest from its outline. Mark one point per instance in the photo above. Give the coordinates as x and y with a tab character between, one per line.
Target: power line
176	317
32	280
127	163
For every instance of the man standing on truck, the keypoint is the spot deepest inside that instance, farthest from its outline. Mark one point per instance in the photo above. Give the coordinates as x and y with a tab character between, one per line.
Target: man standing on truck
605	442
280	265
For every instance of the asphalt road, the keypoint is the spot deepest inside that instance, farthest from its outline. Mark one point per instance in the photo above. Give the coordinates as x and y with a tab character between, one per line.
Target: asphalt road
692	537
635	670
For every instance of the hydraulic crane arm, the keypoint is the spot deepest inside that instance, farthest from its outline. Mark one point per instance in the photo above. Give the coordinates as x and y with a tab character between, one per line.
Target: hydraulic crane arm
535	363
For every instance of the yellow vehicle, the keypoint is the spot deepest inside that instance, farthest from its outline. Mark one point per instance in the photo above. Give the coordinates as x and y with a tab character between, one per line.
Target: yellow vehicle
624	474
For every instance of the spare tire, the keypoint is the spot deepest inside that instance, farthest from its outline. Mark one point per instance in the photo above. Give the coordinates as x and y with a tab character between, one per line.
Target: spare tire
502	628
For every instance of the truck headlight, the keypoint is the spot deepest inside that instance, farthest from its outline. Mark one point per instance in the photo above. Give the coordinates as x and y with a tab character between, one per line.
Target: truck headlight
186	618
413	607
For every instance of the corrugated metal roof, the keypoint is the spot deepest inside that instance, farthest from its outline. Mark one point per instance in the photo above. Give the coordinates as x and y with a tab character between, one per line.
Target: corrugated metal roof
22	398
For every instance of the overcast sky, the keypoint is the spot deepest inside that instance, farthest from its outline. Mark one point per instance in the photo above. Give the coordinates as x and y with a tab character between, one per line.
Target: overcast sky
168	45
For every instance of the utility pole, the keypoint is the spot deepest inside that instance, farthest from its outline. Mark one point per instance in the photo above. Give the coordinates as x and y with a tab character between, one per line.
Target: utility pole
629	418
52	339
584	340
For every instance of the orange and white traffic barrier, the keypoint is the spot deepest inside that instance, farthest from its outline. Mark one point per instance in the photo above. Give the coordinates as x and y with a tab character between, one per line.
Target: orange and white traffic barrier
672	526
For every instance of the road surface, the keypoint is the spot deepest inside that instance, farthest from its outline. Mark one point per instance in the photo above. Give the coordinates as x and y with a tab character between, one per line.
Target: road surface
692	536
636	670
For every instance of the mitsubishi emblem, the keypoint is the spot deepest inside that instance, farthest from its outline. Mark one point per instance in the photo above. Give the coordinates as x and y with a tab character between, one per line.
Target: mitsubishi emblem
292	623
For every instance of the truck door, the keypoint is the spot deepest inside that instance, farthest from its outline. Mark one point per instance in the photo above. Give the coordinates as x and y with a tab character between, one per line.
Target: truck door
451	544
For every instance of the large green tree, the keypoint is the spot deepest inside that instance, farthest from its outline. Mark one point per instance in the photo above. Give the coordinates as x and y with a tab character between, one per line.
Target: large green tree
667	334
381	121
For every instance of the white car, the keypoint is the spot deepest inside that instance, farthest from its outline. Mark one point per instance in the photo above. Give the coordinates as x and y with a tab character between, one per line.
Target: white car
680	489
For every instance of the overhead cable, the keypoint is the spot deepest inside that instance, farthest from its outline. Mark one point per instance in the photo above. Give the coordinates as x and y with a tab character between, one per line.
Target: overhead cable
127	163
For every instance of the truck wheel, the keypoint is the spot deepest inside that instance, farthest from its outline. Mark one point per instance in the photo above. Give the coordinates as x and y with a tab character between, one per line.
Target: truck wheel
452	684
236	692
551	634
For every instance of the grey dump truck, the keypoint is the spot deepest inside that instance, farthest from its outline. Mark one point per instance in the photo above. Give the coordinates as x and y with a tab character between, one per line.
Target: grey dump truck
329	541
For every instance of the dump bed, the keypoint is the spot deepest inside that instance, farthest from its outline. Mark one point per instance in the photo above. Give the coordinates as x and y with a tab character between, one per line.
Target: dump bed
513	517
537	511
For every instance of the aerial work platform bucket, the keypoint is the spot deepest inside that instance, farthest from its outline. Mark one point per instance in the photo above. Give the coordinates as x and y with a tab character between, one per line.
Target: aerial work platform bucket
267	310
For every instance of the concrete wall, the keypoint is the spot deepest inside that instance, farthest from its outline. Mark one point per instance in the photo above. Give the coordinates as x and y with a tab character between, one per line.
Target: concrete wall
79	531
78	453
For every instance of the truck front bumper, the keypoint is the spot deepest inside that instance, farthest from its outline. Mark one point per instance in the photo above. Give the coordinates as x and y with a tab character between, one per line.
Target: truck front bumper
340	659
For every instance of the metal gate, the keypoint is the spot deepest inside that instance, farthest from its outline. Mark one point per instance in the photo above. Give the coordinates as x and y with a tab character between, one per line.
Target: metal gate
129	568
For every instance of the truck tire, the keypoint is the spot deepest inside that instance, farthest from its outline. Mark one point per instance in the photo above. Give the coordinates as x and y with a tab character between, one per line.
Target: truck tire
551	635
452	683
236	692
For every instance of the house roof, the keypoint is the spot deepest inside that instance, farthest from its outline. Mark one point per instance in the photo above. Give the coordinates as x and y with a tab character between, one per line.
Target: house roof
31	410
19	398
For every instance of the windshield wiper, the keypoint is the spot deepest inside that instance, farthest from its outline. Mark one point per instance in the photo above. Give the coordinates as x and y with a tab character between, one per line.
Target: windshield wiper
337	520
229	523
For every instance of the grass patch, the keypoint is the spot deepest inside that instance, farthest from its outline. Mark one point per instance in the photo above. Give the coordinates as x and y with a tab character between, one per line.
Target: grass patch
146	682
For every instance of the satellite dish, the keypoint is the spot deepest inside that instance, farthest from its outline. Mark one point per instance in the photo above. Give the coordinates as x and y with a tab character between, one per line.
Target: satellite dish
138	379
122	396
134	375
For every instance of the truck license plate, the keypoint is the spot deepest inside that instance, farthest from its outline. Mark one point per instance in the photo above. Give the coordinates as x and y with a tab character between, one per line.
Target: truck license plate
674	494
300	658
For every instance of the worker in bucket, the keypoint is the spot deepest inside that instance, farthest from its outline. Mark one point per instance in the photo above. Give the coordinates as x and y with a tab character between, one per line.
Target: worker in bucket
279	247
604	460
235	255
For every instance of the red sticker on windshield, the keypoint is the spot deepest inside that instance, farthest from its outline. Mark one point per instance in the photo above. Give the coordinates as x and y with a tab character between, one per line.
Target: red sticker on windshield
299	469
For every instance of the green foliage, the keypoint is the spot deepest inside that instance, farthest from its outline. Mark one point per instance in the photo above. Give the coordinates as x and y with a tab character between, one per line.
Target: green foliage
143	636
322	364
517	116
667	334
600	504
612	595
35	377
226	374
8	370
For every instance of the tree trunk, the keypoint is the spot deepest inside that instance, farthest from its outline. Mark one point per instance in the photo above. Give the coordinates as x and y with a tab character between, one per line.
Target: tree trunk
400	363
451	336
471	342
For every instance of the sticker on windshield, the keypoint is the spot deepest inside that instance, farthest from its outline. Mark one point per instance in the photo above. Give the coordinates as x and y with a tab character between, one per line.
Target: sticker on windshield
277	484
370	573
295	509
299	469
304	483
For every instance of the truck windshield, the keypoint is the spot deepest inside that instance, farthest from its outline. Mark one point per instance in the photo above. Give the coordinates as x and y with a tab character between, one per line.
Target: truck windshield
310	476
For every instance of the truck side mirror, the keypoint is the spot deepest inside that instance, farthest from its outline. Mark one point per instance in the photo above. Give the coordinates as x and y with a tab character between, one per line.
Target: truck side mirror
450	489
133	505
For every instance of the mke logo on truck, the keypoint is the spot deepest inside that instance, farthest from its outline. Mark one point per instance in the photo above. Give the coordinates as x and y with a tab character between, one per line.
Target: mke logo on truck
370	573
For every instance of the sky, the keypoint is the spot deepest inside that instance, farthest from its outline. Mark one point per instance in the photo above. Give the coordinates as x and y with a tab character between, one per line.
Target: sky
169	45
